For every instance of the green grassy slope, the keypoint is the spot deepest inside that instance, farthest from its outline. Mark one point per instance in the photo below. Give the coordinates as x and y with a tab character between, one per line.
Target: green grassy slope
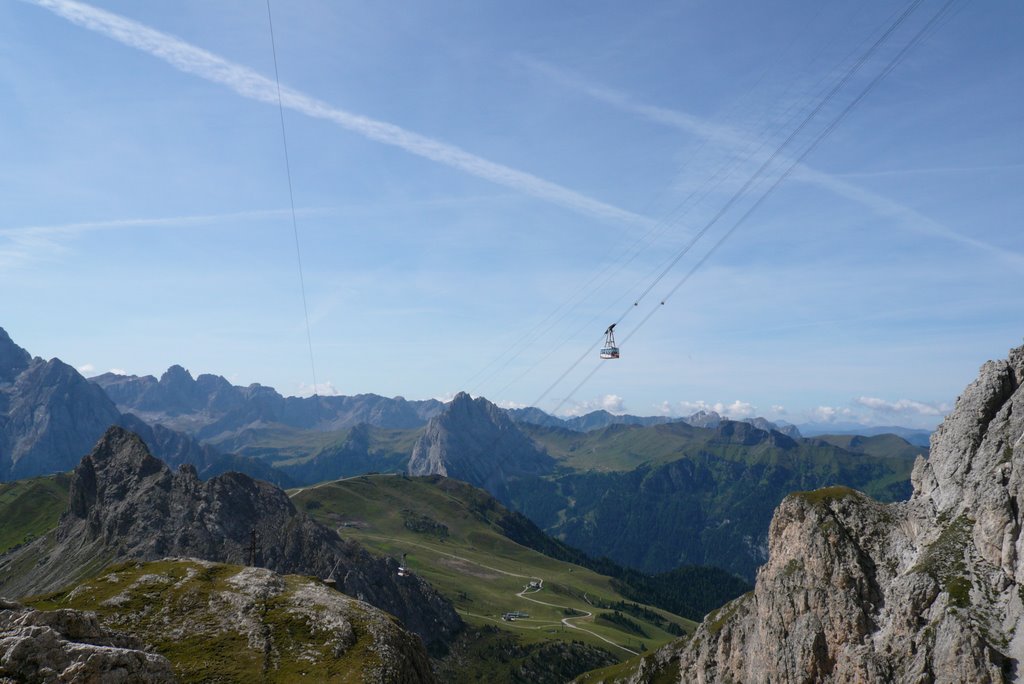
881	446
276	443
29	508
617	447
202	618
452	536
702	497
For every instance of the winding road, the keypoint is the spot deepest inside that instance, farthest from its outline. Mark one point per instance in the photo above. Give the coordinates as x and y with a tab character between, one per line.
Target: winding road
522	594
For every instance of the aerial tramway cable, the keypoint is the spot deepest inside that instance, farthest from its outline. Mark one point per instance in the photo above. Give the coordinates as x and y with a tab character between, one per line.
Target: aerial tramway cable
890	66
752	149
737	160
295	223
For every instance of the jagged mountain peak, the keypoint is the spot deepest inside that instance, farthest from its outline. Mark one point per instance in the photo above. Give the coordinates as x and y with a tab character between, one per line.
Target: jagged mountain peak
972	451
925	590
747	434
475	441
176	374
126	504
13	359
50	416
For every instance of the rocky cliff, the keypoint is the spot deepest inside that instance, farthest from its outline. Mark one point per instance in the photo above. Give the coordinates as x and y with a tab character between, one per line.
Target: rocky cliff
476	442
49	647
49	414
225	623
126	504
928	590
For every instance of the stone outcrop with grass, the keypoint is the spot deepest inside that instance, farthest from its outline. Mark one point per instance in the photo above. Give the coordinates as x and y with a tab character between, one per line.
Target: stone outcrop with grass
72	646
927	590
125	504
227	623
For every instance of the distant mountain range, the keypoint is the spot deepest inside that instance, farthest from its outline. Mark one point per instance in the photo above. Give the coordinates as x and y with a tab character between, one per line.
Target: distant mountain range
912	435
211	408
597	420
927	590
652	493
658	496
50	416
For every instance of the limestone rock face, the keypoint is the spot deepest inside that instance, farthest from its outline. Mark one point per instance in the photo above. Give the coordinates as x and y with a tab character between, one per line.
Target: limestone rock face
125	504
218	622
476	442
928	590
49	414
13	359
72	646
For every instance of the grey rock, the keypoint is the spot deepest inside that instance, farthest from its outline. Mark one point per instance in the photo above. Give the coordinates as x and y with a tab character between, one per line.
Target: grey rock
13	359
475	441
928	590
72	646
125	504
49	417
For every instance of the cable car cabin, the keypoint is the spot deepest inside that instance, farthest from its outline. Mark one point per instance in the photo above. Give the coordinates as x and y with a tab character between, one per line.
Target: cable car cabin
609	350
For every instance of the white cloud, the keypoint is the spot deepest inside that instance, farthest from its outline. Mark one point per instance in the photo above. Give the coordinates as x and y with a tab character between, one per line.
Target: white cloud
738	140
778	410
830	414
323	389
508	404
85	369
118	371
689	407
612	403
738	409
902	407
254	86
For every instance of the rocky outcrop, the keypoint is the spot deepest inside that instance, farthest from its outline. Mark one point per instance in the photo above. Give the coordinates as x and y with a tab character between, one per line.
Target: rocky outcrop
476	442
217	622
48	647
126	504
13	359
929	590
49	414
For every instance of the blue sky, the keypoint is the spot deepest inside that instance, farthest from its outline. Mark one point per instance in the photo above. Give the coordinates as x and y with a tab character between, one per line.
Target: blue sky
481	187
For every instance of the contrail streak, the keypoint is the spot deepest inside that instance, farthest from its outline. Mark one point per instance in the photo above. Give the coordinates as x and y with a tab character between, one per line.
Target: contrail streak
250	84
23	245
733	138
141	222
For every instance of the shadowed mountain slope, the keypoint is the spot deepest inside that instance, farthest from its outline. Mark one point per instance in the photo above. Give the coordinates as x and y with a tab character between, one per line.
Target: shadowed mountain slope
931	589
126	504
475	441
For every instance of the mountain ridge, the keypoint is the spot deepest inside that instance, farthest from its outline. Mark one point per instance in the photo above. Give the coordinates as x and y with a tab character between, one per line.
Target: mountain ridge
931	589
124	503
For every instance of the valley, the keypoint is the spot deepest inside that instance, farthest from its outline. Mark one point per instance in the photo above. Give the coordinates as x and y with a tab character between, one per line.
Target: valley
590	546
452	535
